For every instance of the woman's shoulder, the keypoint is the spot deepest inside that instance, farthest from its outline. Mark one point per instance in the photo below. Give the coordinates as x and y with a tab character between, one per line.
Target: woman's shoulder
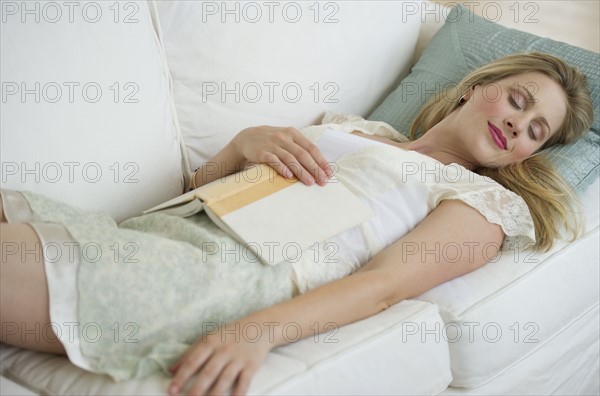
495	202
352	122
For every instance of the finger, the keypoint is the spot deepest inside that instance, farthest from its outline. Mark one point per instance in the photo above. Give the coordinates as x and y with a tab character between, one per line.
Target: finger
294	150
226	379
321	164
173	369
311	158
187	368
292	162
312	149
208	375
274	162
243	381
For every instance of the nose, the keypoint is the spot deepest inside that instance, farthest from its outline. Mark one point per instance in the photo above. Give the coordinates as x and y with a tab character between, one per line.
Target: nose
512	128
515	125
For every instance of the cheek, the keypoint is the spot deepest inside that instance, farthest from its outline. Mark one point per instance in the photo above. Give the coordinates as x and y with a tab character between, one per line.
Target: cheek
484	107
492	105
523	151
492	100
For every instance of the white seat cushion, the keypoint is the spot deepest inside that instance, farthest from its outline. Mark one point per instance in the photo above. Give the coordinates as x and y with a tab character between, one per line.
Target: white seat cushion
510	307
566	364
372	356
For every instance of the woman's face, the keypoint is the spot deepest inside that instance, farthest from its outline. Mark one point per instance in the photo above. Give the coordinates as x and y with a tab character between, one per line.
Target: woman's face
507	121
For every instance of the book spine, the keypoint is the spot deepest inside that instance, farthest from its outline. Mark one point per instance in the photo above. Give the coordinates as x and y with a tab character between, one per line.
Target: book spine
250	192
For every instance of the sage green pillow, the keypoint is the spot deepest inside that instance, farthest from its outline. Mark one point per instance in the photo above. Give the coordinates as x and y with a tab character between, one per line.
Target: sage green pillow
466	42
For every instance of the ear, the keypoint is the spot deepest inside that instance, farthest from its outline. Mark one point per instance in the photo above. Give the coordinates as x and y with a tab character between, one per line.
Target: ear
469	92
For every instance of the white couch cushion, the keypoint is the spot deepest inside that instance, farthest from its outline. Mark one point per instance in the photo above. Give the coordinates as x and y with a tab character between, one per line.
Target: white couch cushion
566	364
378	355
86	110
241	64
515	304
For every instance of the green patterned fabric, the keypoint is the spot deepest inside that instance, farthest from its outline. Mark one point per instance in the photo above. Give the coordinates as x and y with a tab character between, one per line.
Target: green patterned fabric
148	287
466	42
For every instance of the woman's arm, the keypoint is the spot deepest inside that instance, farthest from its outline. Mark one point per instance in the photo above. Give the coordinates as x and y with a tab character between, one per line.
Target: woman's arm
285	149
407	268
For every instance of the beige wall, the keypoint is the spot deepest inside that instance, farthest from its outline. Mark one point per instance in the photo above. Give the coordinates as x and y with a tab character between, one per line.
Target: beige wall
575	22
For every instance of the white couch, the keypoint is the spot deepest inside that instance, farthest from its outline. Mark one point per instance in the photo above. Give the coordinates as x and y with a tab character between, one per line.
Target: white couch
110	105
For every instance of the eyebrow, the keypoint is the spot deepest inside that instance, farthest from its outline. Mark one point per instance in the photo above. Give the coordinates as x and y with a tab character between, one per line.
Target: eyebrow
531	99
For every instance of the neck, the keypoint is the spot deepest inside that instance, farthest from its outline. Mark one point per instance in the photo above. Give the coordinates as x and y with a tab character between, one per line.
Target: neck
442	146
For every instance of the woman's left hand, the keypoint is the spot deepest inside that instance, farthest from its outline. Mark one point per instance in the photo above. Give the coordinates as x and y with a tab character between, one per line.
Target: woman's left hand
223	361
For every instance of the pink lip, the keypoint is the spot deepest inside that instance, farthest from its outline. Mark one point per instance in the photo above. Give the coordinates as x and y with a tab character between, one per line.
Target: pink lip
497	135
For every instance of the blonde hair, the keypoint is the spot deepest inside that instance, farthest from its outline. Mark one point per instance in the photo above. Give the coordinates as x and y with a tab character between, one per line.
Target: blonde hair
550	199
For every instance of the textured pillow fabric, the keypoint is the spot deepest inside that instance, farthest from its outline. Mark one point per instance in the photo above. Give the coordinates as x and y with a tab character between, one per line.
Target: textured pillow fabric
466	42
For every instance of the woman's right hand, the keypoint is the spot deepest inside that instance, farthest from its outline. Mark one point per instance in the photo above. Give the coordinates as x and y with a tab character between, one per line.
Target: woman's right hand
286	150
220	363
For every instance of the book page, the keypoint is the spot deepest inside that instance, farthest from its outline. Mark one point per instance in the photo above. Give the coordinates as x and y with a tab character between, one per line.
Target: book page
281	225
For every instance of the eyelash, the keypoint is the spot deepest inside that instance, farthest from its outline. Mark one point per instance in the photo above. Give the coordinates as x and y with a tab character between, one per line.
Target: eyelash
514	104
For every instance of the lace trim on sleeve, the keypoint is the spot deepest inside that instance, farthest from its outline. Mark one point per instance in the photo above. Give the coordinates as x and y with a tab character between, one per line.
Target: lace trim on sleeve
507	209
352	122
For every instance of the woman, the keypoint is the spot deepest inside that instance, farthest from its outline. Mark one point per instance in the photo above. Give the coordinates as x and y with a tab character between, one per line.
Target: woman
502	115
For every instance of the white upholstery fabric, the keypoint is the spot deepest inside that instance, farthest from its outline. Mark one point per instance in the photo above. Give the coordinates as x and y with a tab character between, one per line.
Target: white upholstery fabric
567	364
237	64
86	110
344	361
512	307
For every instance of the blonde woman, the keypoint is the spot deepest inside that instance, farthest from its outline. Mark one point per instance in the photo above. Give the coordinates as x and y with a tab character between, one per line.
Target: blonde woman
426	193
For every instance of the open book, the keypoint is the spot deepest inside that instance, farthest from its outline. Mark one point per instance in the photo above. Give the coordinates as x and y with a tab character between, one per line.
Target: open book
274	217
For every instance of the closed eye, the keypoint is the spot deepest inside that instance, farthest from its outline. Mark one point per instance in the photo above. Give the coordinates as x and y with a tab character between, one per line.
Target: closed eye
516	103
532	134
521	99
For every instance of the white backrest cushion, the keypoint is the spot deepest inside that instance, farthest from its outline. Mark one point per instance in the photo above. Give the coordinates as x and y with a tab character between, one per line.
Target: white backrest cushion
240	64
87	117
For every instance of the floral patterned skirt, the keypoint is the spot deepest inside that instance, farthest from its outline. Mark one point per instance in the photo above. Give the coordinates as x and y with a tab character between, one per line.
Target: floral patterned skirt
128	299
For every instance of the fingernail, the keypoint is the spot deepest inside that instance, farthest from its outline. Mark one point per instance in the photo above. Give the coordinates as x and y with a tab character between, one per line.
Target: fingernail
323	180
310	180
173	390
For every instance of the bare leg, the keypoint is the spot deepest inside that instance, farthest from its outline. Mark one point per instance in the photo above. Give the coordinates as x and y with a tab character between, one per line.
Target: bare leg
24	306
2	218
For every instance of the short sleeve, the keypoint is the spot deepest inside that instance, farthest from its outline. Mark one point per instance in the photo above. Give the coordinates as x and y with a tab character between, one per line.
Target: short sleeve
497	204
351	122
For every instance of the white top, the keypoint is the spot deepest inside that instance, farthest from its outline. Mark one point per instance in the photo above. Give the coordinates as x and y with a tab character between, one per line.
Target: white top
401	187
